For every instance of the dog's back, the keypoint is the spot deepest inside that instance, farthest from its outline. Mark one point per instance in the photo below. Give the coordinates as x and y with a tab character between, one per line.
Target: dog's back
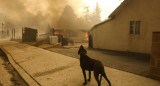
86	62
90	64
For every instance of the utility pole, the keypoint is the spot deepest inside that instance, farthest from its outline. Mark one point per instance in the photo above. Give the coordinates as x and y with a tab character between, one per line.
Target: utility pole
2	28
13	34
87	11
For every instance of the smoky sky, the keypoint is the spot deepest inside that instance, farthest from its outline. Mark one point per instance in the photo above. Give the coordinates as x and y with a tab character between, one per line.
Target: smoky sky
34	13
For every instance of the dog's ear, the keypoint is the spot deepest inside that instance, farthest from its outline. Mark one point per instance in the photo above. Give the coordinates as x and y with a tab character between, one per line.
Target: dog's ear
80	48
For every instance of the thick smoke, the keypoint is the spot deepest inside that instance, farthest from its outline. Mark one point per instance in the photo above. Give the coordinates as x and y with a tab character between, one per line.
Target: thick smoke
34	13
41	14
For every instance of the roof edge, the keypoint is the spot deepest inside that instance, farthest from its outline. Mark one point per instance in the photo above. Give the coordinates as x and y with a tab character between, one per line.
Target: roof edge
101	23
113	14
119	8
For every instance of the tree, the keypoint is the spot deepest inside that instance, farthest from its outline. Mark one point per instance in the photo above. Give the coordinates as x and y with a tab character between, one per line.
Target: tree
67	19
95	16
82	24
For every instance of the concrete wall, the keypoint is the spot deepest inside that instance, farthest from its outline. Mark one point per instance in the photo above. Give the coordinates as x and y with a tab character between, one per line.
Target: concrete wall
114	35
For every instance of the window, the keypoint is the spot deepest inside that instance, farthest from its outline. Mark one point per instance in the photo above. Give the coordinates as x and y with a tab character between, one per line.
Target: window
135	27
132	27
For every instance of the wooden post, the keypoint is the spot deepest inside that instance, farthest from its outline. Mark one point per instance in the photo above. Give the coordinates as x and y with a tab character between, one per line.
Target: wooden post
14	34
2	29
22	33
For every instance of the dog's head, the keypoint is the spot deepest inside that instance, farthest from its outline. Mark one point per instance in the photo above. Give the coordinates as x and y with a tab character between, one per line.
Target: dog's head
82	50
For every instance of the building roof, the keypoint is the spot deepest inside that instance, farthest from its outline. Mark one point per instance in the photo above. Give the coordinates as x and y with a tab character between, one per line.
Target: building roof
114	13
119	8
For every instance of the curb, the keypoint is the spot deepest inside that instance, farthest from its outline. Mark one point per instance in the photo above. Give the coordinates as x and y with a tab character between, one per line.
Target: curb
26	77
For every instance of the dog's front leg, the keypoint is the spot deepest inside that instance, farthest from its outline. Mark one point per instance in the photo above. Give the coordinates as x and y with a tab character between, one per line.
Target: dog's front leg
84	74
89	76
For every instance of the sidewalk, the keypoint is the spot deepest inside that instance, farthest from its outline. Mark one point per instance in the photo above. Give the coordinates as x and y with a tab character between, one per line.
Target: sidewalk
41	67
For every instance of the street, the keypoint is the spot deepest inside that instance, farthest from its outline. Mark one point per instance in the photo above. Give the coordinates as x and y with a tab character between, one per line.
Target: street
129	62
41	43
39	66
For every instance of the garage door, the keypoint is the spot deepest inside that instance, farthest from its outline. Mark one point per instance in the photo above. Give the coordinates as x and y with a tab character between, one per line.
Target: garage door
155	55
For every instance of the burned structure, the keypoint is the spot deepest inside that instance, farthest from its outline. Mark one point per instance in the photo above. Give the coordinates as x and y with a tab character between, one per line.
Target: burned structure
71	36
29	34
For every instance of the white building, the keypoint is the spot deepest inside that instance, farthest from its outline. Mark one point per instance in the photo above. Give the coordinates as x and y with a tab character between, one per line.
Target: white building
129	27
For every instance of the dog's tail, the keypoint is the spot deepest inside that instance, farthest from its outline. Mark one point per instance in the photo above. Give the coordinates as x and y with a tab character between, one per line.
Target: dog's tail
104	75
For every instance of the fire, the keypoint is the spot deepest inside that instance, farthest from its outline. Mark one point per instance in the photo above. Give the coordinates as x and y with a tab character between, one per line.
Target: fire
86	36
60	32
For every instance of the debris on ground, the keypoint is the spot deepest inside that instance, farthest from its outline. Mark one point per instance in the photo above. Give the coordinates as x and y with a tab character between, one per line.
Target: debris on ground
8	75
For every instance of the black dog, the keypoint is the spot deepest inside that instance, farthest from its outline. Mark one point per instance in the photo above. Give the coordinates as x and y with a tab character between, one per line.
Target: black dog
89	64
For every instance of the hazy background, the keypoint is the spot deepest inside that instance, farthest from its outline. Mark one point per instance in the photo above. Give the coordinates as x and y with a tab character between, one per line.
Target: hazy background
60	14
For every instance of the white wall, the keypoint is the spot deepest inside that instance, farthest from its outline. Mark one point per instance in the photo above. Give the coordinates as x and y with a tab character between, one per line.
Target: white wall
114	35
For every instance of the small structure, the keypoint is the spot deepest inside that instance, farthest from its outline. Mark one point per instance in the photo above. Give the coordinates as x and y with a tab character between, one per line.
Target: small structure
71	36
29	34
53	40
60	34
74	35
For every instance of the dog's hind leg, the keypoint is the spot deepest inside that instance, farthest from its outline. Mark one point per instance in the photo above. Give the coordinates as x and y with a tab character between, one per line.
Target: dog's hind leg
104	75
96	75
84	74
89	76
100	78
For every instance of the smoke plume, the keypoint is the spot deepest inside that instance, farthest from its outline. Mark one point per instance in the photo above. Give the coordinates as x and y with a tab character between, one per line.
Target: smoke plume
34	13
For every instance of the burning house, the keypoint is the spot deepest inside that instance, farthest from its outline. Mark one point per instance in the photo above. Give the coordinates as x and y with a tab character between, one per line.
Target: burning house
72	35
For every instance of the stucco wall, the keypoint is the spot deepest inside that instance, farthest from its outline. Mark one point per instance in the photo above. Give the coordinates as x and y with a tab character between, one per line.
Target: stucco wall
114	35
